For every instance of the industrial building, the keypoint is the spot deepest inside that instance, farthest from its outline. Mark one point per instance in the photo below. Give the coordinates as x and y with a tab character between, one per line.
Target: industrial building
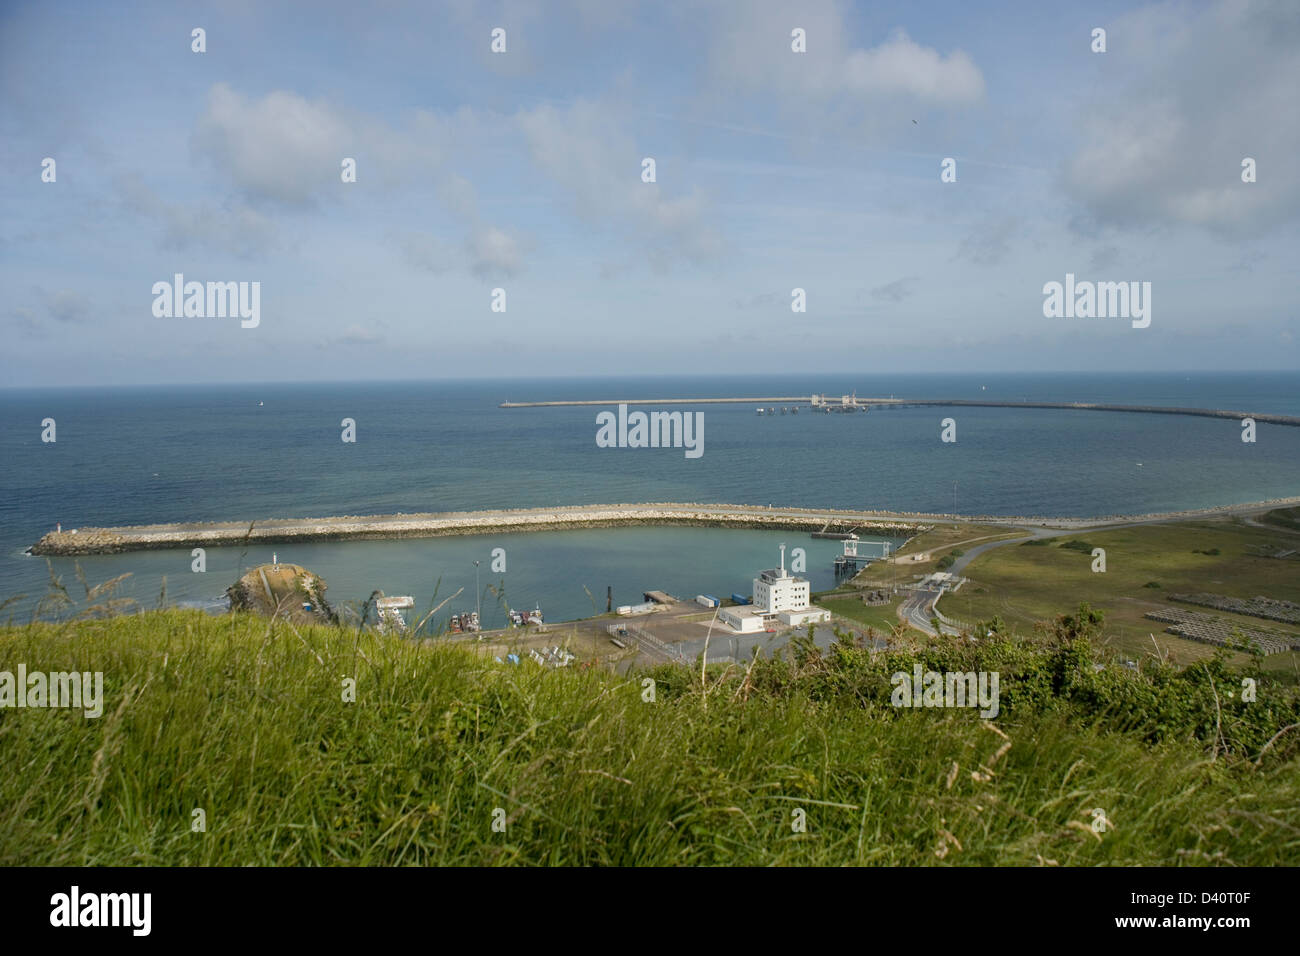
779	598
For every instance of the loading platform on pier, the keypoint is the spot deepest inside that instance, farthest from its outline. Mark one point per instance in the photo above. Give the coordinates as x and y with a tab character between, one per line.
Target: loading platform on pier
850	560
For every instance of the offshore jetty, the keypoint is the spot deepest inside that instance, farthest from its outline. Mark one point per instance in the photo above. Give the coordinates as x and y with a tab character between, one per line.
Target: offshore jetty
906	402
349	528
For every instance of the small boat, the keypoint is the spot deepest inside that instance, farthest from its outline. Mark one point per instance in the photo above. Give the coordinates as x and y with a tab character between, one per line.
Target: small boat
454	624
535	615
260	404
760	411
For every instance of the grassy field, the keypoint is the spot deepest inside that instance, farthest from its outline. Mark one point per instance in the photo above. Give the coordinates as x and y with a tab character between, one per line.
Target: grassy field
884	617
930	545
249	722
1025	583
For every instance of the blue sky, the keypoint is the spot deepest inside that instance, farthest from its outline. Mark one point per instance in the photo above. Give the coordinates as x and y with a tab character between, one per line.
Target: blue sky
522	171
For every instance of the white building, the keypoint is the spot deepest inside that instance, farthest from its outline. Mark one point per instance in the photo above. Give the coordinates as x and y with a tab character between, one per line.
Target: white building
778	597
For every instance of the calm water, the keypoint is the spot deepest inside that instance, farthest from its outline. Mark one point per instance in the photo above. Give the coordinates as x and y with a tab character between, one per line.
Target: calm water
138	455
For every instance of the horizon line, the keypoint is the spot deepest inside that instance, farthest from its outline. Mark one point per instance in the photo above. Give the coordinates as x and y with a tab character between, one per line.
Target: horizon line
645	375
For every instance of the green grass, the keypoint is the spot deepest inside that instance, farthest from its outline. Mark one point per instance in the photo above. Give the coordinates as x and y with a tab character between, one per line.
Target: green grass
1144	563
882	617
246	720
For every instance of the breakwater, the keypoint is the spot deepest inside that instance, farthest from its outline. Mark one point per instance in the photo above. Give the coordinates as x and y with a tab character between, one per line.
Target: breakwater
82	541
116	540
1264	417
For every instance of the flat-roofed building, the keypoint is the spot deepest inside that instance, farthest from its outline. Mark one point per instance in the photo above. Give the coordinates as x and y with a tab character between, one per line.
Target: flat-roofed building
778	591
745	618
779	597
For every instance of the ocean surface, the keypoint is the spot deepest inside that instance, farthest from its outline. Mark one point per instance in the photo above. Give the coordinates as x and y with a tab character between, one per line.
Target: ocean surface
177	453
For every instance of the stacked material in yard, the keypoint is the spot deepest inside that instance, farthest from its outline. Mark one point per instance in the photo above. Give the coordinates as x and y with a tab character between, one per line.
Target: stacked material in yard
1209	629
1270	609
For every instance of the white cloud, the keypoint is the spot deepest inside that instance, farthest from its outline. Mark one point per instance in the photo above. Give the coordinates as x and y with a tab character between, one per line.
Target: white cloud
285	148
232	226
753	53
585	148
1163	144
494	253
280	147
902	66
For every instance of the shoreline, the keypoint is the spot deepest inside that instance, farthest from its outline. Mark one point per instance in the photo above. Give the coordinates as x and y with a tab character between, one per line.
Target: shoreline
117	540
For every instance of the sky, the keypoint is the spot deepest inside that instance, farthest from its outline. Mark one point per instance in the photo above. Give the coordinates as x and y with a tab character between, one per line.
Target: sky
523	171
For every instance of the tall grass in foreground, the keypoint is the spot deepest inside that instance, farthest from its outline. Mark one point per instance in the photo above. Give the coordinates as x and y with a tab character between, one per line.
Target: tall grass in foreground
246	720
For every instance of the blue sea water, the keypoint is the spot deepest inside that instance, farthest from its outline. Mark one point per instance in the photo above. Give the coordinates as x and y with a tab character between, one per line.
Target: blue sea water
175	453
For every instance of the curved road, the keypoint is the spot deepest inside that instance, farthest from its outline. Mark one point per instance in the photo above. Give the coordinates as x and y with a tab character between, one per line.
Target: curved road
918	609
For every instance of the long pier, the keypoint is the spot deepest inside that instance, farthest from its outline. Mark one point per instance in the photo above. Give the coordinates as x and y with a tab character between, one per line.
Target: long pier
1265	417
665	401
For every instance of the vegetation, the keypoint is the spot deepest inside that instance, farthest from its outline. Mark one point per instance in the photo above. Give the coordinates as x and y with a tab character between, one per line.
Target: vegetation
246	719
948	559
1288	518
881	617
1025	585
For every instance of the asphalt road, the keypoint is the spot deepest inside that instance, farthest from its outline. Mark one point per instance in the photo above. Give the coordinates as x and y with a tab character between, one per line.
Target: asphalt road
916	610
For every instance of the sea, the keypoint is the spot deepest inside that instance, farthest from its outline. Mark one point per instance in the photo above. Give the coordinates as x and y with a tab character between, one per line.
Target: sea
138	455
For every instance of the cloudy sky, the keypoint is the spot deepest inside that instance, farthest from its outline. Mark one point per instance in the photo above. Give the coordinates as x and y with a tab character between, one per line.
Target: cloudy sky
522	170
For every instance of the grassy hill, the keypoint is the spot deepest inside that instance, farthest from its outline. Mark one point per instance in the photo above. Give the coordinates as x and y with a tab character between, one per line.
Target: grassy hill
247	721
